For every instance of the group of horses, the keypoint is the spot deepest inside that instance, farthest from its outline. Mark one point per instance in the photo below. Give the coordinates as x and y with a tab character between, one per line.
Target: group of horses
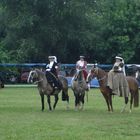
79	87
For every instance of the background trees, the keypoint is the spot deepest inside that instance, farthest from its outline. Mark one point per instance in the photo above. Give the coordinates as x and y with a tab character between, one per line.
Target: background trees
30	30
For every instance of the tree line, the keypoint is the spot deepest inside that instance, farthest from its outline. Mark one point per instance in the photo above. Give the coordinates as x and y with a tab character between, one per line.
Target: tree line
31	30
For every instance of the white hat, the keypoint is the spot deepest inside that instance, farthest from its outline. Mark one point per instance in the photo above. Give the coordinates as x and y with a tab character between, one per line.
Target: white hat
82	56
118	57
51	57
55	59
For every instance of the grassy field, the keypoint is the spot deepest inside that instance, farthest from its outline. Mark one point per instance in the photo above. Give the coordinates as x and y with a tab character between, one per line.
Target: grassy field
21	118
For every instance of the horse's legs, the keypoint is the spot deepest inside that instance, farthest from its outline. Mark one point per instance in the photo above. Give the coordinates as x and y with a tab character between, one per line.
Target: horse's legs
49	102
42	101
107	101
110	102
56	100
76	100
82	100
126	101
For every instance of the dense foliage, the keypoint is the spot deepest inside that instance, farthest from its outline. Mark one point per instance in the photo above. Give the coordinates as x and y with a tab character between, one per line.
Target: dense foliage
30	30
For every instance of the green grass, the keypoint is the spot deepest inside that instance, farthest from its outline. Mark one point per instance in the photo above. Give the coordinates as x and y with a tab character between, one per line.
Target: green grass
21	118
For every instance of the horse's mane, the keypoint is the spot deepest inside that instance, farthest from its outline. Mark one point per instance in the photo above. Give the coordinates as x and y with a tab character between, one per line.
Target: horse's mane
41	73
80	76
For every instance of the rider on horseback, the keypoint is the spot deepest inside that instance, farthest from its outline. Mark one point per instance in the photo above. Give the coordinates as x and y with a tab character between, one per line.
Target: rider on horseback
120	63
116	78
82	65
52	73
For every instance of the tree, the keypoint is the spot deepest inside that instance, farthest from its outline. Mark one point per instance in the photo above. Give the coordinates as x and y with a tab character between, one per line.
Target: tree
31	30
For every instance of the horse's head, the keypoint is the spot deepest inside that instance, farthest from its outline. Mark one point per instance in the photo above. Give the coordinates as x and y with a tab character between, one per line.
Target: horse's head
33	76
92	74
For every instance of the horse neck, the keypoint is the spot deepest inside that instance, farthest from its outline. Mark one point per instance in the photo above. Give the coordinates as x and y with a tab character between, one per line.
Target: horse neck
80	76
102	77
41	77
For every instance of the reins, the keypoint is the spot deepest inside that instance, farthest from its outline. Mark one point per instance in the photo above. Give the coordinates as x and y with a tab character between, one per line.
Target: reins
102	78
97	71
38	81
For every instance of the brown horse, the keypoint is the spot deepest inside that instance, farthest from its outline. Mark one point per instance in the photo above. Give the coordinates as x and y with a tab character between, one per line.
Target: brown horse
79	87
37	76
107	93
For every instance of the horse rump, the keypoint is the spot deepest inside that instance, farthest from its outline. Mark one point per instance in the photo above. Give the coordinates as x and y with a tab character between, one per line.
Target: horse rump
134	89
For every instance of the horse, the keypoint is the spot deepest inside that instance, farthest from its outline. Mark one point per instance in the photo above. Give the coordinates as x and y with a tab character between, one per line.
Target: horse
79	87
137	75
39	77
1	82
107	92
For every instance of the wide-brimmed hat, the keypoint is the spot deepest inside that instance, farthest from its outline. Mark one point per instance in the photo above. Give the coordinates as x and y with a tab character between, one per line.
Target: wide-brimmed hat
51	57
118	57
81	56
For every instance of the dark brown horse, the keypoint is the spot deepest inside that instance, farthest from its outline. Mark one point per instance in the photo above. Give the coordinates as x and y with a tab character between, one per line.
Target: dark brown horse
79	88
107	93
1	83
39	77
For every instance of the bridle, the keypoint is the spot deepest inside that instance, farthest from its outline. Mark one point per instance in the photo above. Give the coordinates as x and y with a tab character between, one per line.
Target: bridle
96	70
31	76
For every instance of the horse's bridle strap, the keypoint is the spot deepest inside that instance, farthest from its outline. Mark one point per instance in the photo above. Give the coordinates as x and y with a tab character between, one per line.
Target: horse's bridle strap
102	78
38	81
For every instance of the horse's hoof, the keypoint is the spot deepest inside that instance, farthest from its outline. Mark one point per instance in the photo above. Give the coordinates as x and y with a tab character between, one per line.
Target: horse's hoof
76	109
67	108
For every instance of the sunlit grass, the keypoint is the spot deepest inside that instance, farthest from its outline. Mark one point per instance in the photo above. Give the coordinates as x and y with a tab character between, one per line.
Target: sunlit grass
21	118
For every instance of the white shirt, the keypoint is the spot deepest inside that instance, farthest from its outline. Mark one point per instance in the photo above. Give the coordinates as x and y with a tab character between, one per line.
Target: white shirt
49	66
81	63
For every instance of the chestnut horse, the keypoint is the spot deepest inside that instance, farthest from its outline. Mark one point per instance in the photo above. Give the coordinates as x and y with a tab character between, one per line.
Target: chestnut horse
107	93
37	76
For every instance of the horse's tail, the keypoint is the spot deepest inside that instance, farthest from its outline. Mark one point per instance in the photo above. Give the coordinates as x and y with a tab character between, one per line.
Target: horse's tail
65	96
136	98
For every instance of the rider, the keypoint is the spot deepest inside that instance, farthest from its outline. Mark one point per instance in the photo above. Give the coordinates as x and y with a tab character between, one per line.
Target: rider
82	65
116	78
120	62
52	72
